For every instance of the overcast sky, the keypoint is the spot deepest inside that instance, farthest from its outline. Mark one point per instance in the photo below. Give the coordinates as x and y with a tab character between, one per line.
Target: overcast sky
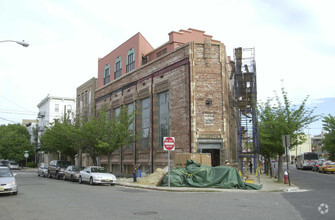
294	41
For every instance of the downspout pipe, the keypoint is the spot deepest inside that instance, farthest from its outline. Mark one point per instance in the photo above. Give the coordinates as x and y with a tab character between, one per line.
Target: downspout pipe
152	124
189	106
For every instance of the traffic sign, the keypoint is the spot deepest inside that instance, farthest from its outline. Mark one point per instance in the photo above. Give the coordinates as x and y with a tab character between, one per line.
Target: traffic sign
169	143
26	155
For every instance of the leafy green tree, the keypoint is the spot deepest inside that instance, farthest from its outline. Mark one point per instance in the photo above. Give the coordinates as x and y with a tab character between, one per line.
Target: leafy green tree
328	124
279	118
14	141
90	133
60	137
118	133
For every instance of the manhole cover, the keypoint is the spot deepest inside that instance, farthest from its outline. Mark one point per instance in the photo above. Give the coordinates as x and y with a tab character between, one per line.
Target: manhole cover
145	213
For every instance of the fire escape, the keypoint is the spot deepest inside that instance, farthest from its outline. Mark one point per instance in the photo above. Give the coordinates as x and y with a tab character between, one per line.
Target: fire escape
245	90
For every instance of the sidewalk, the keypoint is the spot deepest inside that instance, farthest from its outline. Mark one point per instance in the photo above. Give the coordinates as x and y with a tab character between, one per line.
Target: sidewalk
269	185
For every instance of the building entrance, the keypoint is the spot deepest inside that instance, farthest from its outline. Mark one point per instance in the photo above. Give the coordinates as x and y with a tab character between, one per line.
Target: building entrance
215	155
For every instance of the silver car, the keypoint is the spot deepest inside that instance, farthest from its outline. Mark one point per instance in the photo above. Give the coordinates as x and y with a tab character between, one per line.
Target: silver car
8	181
72	173
13	165
43	170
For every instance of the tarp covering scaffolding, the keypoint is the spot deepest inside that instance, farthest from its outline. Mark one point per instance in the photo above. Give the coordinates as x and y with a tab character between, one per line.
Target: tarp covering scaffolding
245	93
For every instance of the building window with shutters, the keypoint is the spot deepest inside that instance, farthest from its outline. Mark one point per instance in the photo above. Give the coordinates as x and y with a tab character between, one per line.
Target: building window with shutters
107	74
118	67
130	60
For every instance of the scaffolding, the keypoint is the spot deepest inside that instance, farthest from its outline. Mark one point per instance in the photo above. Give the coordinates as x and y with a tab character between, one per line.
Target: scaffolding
245	94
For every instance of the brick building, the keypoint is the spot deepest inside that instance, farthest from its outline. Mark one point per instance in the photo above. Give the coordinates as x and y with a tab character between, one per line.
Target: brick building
181	89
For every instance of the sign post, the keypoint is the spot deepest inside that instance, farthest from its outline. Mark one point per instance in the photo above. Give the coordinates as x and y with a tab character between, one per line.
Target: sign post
26	155
169	145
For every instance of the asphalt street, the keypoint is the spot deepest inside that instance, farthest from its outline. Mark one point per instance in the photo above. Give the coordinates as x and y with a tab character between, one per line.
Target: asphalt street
319	197
43	198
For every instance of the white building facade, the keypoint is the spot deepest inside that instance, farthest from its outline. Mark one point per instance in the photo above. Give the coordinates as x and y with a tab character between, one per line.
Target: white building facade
54	107
51	108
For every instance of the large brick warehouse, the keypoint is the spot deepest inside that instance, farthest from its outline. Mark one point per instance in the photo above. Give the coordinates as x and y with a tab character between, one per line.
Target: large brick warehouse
181	89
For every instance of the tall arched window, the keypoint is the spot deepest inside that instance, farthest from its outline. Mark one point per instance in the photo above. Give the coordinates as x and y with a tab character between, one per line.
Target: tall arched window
107	74
118	67
130	60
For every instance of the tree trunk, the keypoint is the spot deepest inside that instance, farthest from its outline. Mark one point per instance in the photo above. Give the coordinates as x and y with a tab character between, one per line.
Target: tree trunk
109	162
270	167
280	168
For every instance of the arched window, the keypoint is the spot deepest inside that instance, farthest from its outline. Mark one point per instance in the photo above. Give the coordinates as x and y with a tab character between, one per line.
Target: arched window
118	67
130	60
107	74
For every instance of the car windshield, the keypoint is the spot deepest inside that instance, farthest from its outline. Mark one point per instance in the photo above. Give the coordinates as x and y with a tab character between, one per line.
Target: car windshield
5	173
98	170
330	163
75	168
64	163
13	163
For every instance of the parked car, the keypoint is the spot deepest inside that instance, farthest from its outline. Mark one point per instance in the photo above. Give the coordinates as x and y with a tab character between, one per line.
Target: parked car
8	181
56	168
316	166
4	163
72	173
96	175
13	165
43	170
327	166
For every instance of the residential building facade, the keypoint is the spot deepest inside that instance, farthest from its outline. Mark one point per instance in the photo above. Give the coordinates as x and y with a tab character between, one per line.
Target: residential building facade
50	108
85	102
181	89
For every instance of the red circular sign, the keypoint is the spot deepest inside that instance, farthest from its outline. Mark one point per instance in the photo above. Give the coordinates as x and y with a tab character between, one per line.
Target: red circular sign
168	143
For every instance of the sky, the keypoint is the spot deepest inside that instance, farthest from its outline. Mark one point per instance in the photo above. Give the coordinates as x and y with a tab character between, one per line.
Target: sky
294	43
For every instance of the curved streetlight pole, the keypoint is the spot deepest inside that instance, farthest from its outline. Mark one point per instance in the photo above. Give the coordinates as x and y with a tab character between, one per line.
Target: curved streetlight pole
23	43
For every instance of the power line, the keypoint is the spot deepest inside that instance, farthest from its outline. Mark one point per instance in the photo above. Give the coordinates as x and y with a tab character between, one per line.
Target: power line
16	104
16	112
8	120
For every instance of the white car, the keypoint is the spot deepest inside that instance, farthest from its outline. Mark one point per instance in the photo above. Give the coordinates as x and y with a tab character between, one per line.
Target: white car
96	175
7	181
13	165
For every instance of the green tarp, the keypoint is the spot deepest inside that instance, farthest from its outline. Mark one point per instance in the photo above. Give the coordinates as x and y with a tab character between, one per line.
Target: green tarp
196	175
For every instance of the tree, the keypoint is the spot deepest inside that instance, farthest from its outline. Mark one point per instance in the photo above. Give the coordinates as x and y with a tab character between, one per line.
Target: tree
118	133
279	118
59	137
91	132
328	124
14	141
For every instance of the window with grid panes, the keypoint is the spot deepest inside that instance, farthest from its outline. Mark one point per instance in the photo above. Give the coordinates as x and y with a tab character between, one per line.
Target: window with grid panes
107	74
145	122
164	116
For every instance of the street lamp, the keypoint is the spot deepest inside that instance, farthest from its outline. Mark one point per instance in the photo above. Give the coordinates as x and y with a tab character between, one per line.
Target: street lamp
23	43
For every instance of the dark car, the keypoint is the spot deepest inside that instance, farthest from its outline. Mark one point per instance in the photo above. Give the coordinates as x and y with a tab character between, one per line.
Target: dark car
4	163
72	173
316	166
56	168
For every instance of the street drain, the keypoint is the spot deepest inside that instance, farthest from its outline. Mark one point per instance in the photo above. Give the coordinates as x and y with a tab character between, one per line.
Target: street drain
145	213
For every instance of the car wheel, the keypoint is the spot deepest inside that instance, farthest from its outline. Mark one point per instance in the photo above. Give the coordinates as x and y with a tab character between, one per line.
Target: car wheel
38	174
64	178
57	176
80	180
72	179
49	175
15	193
91	181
